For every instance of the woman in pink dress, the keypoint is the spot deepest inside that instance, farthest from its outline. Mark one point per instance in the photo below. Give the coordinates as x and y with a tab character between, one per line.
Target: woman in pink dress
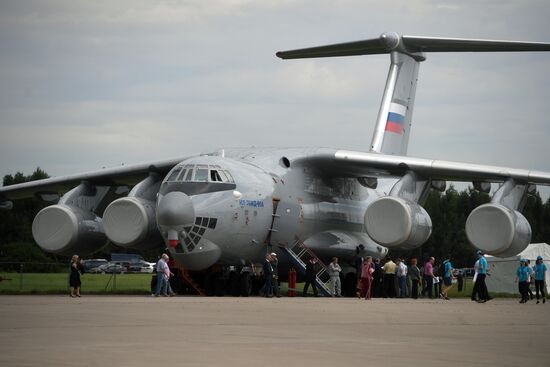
366	277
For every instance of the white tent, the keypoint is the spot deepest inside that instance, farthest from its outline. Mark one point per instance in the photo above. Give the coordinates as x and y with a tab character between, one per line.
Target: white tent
503	270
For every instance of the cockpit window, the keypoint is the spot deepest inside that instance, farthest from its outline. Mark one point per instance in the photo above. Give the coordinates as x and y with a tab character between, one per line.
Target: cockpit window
188	175
174	174
201	174
229	177
223	176
215	176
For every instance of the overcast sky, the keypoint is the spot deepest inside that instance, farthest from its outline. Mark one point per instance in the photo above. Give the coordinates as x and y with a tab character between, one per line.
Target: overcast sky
85	85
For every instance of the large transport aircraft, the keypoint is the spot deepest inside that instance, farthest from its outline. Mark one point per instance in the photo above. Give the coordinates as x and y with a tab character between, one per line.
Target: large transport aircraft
232	206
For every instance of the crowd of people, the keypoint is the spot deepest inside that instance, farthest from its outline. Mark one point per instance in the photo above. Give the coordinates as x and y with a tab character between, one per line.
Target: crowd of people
401	280
374	278
525	274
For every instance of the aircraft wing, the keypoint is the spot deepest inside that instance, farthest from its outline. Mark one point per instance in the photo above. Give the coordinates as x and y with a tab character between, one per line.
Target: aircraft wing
123	176
346	163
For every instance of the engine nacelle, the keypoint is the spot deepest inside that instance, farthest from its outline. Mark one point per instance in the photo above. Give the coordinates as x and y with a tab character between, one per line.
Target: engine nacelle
66	230
498	230
397	223
131	222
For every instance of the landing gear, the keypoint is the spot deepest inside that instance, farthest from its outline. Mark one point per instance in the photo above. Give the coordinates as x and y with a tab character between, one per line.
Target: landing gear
214	284
245	284
234	283
349	285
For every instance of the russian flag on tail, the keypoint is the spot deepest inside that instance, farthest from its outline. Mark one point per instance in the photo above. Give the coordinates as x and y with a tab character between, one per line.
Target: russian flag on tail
396	118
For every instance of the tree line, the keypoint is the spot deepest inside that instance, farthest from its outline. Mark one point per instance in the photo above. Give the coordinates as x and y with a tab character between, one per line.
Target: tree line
448	211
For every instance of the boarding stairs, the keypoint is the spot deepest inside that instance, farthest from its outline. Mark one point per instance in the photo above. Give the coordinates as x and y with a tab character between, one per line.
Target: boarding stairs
299	254
186	277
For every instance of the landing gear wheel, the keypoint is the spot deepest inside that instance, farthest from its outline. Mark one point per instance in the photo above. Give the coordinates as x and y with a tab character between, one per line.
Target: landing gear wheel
246	285
350	284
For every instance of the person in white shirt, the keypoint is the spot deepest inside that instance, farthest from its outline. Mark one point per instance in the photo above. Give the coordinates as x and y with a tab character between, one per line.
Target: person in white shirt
530	280
334	271
161	276
402	278
475	291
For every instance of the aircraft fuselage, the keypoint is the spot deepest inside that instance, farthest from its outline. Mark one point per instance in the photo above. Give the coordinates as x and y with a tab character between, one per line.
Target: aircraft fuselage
262	203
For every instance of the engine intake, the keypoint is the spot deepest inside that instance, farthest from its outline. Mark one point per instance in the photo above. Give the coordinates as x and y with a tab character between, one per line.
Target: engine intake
498	230
64	230
130	222
397	223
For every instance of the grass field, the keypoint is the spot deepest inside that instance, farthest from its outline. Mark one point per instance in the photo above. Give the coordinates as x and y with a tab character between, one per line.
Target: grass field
56	283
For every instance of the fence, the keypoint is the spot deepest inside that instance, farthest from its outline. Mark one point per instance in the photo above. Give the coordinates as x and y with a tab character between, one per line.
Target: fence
26	278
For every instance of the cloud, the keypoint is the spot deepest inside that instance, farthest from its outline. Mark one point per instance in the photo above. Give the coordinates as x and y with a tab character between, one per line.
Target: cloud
91	84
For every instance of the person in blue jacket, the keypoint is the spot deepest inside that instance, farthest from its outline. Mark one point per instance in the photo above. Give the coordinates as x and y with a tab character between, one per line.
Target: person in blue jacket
480	288
448	277
522	275
540	275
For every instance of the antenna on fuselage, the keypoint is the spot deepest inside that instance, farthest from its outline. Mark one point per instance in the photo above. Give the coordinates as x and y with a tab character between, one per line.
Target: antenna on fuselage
393	125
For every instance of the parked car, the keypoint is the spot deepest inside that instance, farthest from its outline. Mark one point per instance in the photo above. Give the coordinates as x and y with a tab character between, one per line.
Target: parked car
147	267
112	268
141	267
91	264
98	269
125	258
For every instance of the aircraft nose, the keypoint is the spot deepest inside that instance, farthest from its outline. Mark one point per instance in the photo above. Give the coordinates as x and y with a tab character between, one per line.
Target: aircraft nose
175	209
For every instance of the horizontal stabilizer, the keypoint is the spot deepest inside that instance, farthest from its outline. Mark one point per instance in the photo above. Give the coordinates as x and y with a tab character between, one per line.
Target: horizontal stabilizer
388	42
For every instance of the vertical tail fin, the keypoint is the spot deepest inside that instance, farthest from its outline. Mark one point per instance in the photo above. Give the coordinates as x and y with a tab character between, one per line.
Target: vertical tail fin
393	125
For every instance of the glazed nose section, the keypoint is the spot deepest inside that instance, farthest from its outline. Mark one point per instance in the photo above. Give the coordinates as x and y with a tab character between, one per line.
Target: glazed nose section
174	210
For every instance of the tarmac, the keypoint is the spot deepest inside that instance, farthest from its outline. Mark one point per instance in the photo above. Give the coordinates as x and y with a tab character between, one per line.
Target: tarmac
195	331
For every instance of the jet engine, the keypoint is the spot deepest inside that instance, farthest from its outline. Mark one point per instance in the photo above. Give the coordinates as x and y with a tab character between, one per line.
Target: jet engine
498	230
130	222
397	223
65	230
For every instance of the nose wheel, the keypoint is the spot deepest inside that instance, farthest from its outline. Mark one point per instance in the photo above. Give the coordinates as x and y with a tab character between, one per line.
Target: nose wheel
232	283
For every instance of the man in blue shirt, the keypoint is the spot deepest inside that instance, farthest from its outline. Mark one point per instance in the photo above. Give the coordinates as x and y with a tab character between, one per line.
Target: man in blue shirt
480	288
163	281
540	276
447	278
522	275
